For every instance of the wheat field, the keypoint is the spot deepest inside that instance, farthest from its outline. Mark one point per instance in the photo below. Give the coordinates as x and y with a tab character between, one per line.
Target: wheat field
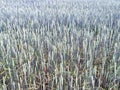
59	45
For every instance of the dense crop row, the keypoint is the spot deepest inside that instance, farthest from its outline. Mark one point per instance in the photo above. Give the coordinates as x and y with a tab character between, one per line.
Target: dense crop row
59	45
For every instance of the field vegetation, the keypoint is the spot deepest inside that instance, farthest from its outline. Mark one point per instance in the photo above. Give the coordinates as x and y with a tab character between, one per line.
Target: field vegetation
60	45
